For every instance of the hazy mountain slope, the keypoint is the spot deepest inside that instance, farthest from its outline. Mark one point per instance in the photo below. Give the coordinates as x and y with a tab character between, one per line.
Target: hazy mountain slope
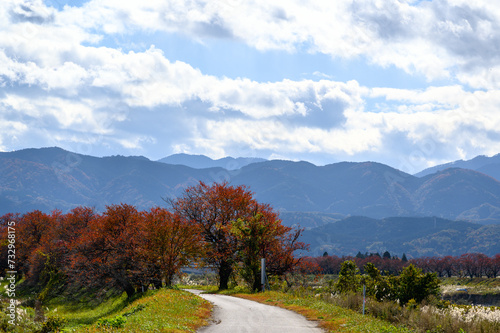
370	189
345	188
455	189
202	161
416	237
54	178
308	220
487	165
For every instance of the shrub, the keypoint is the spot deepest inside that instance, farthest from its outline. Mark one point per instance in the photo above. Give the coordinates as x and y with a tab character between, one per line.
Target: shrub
349	278
116	322
52	324
413	284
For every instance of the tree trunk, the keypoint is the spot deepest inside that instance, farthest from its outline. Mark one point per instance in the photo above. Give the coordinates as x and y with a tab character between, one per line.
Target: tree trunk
39	315
168	280
256	282
126	286
129	289
225	271
157	283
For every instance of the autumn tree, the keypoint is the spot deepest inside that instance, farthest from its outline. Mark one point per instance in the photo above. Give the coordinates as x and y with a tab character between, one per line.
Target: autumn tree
212	209
29	232
472	264
107	252
281	259
263	236
330	264
493	267
58	242
169	242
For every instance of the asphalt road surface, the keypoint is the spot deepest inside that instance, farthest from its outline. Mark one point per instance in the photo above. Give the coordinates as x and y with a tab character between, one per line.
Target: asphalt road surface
237	315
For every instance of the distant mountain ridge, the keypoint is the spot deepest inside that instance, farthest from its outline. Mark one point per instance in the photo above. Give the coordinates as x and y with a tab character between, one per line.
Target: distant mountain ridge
484	164
414	236
51	178
202	161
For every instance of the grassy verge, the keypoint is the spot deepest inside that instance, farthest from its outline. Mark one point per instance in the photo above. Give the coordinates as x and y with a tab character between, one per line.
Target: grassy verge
330	317
165	310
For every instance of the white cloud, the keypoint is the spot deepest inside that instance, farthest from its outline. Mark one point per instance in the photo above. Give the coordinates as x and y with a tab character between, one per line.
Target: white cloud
436	39
60	77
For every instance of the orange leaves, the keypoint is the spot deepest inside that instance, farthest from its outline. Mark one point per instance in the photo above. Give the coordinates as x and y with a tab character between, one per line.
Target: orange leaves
212	209
237	229
169	243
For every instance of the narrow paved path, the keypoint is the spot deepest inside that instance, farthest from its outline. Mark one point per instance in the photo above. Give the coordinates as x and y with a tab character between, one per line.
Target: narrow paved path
237	315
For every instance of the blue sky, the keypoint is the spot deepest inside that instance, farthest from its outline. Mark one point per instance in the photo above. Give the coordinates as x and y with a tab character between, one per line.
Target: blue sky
407	83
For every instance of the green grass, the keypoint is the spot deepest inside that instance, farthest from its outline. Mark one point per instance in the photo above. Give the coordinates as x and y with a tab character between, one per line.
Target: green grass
165	310
480	286
207	288
78	314
330	317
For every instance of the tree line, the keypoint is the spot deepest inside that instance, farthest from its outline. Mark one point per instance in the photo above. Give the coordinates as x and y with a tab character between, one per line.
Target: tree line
218	226
466	265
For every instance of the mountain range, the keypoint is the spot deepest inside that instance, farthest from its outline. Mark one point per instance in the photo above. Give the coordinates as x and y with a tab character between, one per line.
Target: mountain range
51	178
414	236
203	162
484	164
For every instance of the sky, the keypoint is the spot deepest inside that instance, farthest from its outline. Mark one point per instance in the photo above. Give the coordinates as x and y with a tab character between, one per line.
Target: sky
406	83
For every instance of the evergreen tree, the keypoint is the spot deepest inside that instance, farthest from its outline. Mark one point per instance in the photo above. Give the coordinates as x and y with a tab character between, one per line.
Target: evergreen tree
349	278
403	258
413	284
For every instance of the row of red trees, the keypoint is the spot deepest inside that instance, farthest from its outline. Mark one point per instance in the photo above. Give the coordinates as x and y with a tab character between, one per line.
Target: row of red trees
466	265
218	226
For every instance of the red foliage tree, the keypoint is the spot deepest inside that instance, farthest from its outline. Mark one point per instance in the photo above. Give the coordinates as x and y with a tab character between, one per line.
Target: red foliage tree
29	232
330	264
448	265
472	264
235	227
169	242
212	209
495	266
107	252
281	258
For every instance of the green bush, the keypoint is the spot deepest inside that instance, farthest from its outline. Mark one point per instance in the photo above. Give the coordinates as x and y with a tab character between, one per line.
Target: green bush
413	284
349	278
52	324
116	322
